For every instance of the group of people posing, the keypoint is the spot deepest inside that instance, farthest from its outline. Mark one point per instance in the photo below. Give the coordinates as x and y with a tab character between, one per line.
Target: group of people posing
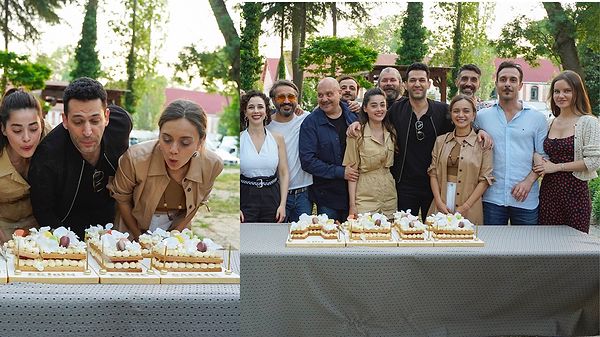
83	173
396	151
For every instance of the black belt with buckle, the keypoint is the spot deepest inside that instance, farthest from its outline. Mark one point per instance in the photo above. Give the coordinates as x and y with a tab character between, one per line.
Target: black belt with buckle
259	182
297	190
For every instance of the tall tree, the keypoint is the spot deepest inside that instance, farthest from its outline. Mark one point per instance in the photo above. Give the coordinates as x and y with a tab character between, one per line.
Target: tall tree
463	40
299	12
383	36
250	61
563	29
353	11
18	17
413	34
130	93
232	39
279	13
86	56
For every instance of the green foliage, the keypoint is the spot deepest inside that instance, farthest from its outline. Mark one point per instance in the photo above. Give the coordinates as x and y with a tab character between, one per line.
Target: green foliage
212	67
331	56
413	36
250	61
150	102
309	96
61	62
586	19
21	72
536	33
594	186
281	67
232	40
229	123
590	61
139	27
473	45
596	206
21	16
86	56
384	37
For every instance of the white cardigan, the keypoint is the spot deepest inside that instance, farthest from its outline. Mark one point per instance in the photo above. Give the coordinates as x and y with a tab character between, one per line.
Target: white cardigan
587	146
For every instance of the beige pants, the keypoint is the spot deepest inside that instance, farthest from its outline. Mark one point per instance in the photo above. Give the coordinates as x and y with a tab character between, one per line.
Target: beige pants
7	228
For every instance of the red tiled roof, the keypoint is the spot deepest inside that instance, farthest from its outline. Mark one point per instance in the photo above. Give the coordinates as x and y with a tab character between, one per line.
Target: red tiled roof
542	73
211	103
271	64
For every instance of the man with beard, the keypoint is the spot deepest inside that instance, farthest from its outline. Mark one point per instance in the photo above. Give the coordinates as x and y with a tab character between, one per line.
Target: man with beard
350	88
468	82
322	147
418	121
390	82
72	165
518	132
284	95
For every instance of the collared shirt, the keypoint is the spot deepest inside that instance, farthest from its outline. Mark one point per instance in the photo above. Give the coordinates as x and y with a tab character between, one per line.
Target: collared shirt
142	178
514	145
321	155
14	192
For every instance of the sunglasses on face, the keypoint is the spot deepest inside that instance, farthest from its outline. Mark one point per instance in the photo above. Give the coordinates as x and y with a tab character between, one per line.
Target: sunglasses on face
419	128
281	98
97	179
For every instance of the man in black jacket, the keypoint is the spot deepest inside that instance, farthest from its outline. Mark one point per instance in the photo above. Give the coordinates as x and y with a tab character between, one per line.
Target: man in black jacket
71	167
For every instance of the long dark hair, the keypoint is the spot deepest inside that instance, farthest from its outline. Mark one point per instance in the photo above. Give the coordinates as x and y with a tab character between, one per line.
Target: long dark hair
244	105
580	96
17	99
364	118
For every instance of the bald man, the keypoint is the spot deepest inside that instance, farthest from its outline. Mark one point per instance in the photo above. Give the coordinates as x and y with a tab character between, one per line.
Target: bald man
322	147
390	82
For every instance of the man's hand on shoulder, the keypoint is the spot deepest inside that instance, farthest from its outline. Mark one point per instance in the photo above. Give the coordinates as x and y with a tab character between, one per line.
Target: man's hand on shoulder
353	130
354	106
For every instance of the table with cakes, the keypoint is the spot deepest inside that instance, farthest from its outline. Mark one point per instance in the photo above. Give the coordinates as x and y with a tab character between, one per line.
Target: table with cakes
167	283
374	276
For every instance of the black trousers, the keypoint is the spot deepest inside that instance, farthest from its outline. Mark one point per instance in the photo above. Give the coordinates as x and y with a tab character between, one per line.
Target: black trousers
414	198
259	204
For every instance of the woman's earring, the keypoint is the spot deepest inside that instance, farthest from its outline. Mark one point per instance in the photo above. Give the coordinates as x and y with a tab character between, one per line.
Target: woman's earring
195	154
246	121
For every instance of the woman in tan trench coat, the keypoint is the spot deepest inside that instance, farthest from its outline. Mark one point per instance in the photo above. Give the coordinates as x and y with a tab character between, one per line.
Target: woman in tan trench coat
460	170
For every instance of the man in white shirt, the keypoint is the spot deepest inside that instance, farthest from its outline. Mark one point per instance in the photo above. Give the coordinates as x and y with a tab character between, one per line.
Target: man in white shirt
284	95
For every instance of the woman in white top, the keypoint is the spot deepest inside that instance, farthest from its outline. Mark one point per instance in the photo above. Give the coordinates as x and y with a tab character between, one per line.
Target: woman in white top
573	148
263	164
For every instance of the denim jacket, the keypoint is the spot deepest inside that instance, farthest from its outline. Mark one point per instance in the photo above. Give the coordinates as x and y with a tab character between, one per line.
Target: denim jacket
321	155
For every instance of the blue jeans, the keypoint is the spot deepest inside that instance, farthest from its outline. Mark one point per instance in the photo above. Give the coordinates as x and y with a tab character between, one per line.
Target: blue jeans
499	215
297	204
336	214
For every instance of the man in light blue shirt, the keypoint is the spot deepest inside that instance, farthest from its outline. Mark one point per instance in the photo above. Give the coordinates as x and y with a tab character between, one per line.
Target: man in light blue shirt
517	132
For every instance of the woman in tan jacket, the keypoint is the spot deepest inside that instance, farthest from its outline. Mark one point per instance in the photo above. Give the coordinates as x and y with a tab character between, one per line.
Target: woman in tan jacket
22	129
162	183
460	170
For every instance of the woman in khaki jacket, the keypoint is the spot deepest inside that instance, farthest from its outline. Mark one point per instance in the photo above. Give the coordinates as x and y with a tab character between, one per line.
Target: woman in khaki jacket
162	183
460	170
22	127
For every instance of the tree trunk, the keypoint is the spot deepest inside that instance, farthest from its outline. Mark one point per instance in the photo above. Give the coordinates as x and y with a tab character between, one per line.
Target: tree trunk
563	30
298	38
281	65
130	94
456	46
232	39
4	79
334	17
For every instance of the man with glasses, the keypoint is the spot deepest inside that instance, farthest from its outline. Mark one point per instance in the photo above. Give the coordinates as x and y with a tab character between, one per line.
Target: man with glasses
71	167
284	95
518	132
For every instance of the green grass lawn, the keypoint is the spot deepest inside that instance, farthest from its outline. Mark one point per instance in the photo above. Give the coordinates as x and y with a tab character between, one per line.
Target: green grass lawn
228	182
